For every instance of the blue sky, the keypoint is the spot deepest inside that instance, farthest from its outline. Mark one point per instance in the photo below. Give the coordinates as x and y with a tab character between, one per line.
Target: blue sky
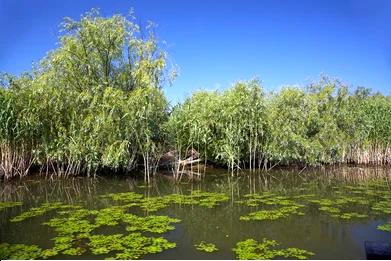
215	43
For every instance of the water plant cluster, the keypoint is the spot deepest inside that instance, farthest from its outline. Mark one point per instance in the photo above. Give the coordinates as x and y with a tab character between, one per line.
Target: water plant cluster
96	103
343	202
80	230
19	251
39	211
206	247
250	249
196	197
77	232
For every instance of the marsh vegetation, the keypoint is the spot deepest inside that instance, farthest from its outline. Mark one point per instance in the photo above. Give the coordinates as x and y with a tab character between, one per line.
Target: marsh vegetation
95	104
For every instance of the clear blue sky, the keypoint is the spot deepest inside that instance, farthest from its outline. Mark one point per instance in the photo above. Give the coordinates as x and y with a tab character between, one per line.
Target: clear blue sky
215	43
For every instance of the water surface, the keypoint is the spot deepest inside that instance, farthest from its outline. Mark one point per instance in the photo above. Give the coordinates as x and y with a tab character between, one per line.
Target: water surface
327	236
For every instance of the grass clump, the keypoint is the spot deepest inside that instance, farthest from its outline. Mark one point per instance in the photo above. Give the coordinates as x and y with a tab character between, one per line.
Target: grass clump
250	249
206	247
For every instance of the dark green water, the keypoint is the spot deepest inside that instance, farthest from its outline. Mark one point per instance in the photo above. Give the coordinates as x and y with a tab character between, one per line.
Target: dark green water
327	236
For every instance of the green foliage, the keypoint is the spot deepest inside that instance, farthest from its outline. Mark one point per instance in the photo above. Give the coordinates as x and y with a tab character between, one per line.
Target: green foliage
206	247
383	206
385	227
4	205
19	251
321	124
253	200
96	103
224	127
93	103
151	204
124	197
272	214
250	249
76	223
39	211
352	215
132	246
153	224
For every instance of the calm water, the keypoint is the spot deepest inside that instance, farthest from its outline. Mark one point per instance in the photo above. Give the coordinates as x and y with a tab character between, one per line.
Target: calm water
326	236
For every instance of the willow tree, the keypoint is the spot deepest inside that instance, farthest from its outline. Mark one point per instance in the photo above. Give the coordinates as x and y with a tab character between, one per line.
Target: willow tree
113	51
96	101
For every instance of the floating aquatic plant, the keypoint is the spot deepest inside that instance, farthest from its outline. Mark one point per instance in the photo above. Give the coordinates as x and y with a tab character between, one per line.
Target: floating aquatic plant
124	197
331	210
209	199
267	198
385	227
334	206
352	215
151	204
132	246
19	251
109	216
272	214
153	224
73	224
304	196
206	247
4	205
383	206
251	249
39	211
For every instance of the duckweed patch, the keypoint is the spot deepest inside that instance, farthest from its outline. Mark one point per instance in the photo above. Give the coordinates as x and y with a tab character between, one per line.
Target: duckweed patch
206	247
250	249
4	205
